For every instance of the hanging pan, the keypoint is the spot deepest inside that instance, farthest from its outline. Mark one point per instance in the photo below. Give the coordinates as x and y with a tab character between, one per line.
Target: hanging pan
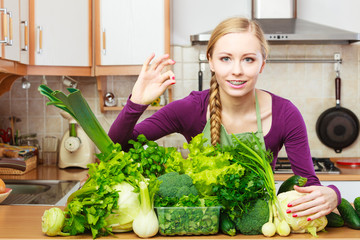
337	127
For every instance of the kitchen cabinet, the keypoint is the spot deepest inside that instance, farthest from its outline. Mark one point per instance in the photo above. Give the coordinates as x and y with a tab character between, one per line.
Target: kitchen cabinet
61	34
24	31
127	32
10	30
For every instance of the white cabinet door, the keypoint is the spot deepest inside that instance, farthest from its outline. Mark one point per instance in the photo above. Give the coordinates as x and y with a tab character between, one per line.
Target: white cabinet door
62	35
12	48
24	31
131	30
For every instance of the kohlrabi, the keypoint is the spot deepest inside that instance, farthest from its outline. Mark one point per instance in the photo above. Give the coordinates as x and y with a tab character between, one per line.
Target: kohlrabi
299	224
53	221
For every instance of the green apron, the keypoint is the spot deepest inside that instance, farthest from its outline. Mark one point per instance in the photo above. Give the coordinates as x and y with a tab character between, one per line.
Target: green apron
226	139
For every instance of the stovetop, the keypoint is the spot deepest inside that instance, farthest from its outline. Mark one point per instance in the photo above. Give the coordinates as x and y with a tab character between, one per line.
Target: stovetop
321	166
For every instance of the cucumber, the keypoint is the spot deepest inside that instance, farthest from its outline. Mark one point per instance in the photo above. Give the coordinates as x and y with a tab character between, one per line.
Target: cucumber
226	225
289	183
357	203
349	214
334	220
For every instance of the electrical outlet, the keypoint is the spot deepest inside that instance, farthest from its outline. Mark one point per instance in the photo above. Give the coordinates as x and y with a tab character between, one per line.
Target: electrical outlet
202	57
337	56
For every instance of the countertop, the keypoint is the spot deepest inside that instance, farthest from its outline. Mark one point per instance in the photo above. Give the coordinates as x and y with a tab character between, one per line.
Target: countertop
24	222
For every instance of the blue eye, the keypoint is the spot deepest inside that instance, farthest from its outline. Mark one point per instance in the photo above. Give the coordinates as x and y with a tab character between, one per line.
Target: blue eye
249	60
225	59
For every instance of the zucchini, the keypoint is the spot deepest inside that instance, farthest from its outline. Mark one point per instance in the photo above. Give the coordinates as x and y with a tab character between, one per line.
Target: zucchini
349	214
289	183
334	220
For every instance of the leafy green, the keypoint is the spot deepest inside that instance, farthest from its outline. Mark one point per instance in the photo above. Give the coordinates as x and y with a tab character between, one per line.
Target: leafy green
89	208
188	220
151	156
206	165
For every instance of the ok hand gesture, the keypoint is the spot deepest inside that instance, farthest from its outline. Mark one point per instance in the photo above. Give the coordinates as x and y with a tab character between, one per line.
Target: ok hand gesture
151	82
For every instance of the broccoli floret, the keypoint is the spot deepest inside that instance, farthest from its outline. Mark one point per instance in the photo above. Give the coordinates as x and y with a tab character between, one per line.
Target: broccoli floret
177	185
251	222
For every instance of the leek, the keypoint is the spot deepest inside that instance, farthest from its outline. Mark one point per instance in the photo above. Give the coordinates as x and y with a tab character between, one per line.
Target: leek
75	104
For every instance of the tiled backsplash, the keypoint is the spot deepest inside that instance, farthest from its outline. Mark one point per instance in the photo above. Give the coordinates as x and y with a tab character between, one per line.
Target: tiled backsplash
310	86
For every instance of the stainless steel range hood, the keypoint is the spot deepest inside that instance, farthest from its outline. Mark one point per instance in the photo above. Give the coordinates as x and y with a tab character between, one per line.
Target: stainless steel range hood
289	30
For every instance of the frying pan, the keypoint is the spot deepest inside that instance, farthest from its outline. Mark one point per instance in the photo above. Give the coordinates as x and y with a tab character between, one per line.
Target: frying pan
337	127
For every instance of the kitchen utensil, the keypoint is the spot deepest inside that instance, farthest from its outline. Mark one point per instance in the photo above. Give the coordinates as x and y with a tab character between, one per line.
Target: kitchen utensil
200	79
13	120
6	135
349	162
50	152
110	99
76	148
337	127
25	84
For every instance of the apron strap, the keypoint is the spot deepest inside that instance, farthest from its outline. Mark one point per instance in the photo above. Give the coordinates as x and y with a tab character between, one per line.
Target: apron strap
258	115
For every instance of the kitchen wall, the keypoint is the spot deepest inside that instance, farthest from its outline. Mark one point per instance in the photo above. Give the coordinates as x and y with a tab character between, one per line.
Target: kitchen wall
309	86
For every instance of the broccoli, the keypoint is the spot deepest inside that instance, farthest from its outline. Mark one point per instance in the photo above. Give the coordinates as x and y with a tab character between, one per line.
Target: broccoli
251	222
177	185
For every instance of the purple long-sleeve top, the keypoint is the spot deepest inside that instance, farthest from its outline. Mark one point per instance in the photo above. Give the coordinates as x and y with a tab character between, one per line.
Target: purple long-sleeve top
188	117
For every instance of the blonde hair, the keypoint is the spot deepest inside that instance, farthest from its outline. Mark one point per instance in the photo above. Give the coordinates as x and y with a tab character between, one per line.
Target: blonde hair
231	25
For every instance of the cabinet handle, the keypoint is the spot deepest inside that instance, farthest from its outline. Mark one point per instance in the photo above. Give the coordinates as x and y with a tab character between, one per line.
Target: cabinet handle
40	30
4	25
10	42
26	36
104	41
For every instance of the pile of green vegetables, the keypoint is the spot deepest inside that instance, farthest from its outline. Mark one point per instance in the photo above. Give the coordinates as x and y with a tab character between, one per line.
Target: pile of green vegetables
119	193
124	188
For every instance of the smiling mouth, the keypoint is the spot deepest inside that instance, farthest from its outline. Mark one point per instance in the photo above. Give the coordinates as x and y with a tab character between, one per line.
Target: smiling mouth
236	82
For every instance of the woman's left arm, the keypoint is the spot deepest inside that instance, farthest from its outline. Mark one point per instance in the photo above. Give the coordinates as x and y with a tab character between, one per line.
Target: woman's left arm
320	200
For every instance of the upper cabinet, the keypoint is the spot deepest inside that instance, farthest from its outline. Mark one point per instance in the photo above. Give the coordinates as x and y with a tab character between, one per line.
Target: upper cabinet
10	30
24	31
61	32
82	37
127	32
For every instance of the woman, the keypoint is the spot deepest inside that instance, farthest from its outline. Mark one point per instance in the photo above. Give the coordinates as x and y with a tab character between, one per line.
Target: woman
237	52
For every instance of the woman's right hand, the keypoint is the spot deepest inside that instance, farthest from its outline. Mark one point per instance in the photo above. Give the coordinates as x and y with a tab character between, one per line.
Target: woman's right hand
151	83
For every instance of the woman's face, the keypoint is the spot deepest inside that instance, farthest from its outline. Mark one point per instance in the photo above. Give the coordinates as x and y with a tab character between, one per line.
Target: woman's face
237	61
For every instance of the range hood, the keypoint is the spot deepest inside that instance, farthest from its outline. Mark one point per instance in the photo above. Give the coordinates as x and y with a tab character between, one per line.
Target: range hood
289	29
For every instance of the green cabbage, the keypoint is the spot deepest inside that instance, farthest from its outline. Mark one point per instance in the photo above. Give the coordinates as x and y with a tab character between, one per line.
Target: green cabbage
299	224
129	205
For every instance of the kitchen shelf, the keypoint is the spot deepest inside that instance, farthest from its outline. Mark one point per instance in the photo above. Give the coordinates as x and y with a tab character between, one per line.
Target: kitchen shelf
102	86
